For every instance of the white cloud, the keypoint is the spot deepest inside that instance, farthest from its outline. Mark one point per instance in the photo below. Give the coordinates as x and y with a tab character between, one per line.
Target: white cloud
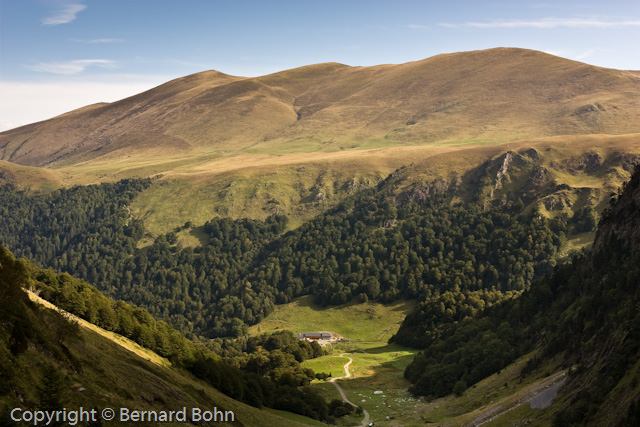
104	40
26	102
585	55
416	27
71	67
546	23
64	14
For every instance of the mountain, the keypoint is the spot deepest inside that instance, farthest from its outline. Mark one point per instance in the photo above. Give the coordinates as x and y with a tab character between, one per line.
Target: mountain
498	95
583	321
298	142
461	181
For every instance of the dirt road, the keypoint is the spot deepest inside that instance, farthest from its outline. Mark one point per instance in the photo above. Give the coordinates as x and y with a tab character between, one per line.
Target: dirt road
347	374
539	397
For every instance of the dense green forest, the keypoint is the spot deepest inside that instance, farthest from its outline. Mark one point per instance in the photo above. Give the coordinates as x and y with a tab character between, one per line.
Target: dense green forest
376	245
260	371
587	313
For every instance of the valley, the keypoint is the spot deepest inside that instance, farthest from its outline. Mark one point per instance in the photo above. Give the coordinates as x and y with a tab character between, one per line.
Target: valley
467	224
376	383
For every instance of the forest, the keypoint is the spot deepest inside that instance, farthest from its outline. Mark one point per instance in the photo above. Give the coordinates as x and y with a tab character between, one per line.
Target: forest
261	371
486	276
376	245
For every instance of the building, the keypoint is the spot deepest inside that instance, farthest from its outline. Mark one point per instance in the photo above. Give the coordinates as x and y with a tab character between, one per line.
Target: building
313	336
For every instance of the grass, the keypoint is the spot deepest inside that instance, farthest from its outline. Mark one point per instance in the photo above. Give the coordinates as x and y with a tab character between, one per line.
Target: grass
577	242
30	177
273	178
356	322
124	342
378	366
366	328
331	364
495	394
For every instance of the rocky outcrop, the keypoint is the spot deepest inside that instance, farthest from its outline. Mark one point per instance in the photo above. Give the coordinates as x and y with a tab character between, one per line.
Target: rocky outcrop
621	222
425	190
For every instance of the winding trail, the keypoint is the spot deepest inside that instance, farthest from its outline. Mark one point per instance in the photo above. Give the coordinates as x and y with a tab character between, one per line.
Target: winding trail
347	374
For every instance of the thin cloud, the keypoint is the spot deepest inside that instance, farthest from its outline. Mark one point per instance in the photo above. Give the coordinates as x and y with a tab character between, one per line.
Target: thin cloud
71	67
104	40
416	27
64	14
585	55
547	23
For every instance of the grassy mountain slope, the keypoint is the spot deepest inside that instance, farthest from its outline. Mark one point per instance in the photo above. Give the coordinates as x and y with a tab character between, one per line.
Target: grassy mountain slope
299	141
498	95
29	177
301	185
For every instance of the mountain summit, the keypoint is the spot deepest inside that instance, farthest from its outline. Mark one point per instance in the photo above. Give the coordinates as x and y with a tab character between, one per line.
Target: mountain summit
501	94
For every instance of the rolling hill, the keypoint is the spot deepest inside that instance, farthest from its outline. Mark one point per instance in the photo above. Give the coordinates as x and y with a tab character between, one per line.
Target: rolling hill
497	95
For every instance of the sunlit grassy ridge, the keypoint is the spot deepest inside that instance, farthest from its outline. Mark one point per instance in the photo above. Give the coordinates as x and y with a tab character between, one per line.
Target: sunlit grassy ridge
480	97
29	177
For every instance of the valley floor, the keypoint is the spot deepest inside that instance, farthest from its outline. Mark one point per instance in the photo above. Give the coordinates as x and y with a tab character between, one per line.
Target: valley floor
368	371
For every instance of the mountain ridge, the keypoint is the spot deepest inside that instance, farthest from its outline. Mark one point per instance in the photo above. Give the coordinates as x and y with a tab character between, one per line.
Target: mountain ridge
501	94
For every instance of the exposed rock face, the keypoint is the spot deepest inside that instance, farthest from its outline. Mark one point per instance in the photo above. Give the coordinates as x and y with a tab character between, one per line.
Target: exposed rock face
535	184
622	222
587	109
319	197
593	162
626	160
508	158
425	190
588	162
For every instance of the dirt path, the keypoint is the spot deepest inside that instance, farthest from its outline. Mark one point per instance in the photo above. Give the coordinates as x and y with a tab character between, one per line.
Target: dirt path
347	374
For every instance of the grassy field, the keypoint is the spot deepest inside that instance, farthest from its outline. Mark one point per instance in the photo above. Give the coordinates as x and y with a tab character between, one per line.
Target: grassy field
357	322
366	328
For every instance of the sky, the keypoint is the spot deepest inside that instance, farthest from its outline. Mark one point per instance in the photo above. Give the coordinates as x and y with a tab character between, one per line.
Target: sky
59	55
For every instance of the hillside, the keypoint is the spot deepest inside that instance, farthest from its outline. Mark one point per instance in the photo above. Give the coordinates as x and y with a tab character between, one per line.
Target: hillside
493	95
583	318
228	206
49	362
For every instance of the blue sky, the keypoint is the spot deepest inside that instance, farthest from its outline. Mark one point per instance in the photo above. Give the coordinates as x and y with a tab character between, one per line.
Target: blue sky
57	55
